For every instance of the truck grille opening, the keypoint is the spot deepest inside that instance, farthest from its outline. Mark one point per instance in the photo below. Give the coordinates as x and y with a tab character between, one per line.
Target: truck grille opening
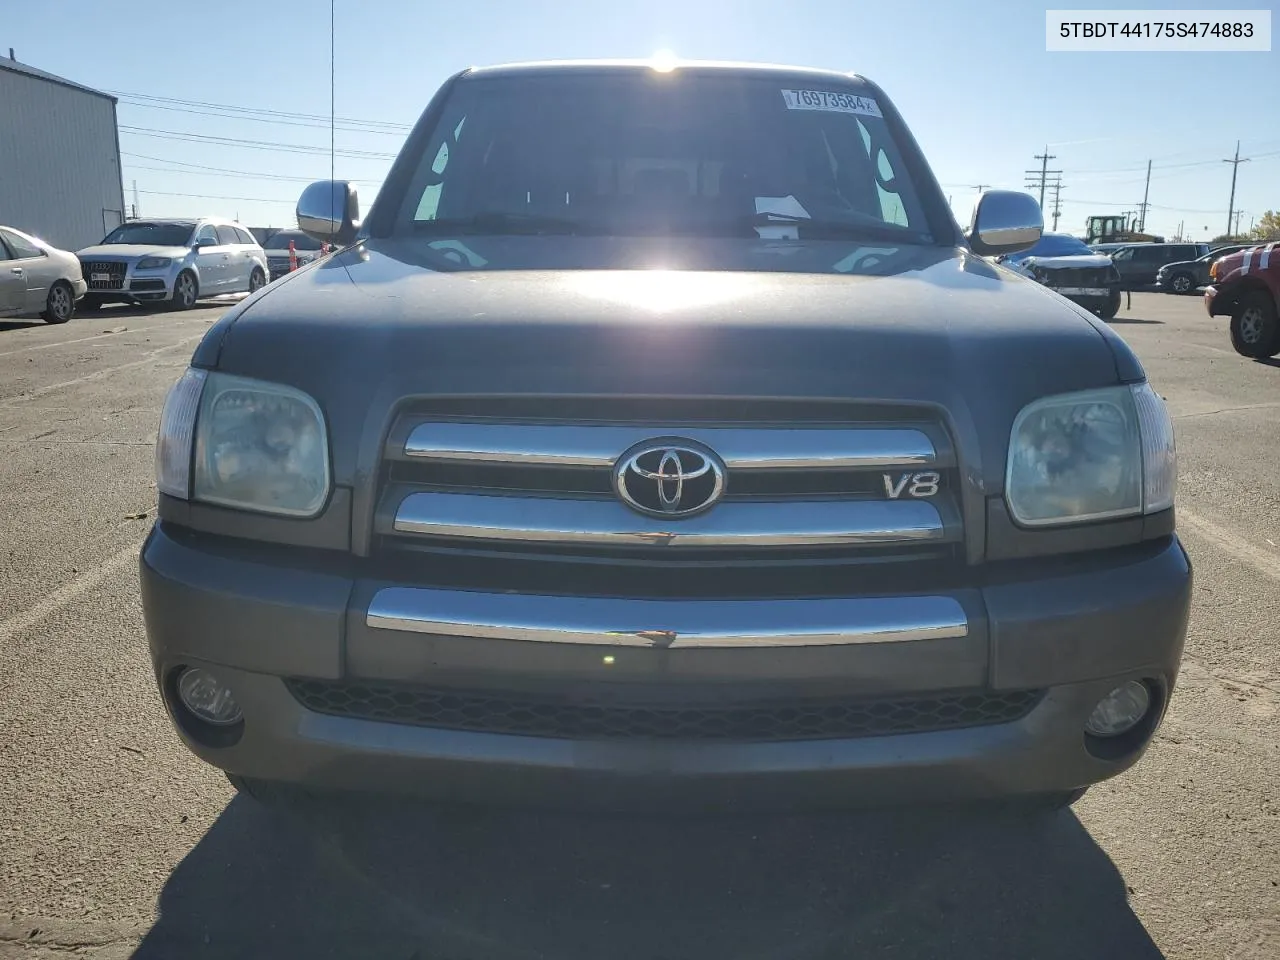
806	482
588	718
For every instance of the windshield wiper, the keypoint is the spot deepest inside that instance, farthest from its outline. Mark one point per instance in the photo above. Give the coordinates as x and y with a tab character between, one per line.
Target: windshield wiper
498	222
840	229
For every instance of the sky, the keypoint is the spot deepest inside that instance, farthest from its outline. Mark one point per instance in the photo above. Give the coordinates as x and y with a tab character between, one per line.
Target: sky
972	79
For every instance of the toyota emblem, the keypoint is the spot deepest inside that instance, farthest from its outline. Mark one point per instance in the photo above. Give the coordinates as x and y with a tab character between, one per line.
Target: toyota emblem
669	478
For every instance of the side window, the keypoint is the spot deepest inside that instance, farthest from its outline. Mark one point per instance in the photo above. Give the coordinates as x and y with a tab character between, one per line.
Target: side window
4	250
430	200
891	209
206	233
227	235
245	236
22	250
1123	256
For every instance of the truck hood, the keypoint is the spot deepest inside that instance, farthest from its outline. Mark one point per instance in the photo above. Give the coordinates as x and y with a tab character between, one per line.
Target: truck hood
376	323
1076	262
131	251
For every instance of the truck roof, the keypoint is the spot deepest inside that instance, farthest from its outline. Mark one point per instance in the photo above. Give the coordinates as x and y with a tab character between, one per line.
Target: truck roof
581	67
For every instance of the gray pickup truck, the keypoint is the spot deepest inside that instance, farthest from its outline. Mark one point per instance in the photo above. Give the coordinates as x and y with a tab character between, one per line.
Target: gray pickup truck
659	438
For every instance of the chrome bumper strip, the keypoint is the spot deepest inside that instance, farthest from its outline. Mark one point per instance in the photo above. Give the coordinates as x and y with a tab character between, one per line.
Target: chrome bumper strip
666	623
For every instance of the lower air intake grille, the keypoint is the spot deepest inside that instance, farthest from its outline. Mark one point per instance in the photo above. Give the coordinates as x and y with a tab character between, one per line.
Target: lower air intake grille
584	719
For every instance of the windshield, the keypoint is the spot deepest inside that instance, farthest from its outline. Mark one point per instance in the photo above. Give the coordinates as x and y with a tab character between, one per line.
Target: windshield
152	234
301	241
1054	245
644	155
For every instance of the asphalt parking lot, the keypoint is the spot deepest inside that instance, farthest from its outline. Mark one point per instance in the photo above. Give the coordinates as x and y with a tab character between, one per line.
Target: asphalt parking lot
114	842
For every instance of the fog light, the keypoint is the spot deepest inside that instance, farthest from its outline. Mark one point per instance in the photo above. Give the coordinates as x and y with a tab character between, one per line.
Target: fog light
207	697
1120	710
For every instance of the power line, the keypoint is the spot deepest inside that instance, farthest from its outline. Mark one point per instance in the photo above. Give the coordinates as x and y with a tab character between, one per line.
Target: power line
260	110
275	121
237	174
251	144
228	171
210	196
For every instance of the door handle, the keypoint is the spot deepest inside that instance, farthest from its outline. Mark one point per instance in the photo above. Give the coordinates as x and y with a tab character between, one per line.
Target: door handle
16	270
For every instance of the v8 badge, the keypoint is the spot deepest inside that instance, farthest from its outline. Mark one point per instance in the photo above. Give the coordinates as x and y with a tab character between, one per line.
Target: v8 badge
918	485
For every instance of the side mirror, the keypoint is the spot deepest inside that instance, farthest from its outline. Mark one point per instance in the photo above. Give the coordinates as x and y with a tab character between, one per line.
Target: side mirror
1005	221
329	210
206	242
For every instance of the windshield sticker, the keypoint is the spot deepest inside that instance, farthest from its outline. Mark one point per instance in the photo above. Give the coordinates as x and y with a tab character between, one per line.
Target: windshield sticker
787	209
831	102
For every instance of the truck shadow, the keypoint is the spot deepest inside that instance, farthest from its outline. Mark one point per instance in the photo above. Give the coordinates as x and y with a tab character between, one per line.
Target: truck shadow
388	880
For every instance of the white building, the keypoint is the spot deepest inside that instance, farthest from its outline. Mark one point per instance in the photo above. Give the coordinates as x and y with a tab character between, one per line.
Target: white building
59	158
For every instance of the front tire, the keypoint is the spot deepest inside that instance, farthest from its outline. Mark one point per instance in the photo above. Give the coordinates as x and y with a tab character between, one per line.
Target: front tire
60	305
1182	284
1255	330
185	291
1108	310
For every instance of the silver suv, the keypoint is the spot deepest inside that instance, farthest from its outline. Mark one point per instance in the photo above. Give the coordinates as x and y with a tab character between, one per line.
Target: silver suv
172	261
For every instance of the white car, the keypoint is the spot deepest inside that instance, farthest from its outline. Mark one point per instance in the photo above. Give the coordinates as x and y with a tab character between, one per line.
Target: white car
305	249
37	279
172	261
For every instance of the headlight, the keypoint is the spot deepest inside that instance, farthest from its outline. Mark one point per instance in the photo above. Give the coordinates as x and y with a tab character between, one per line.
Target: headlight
243	443
154	263
1092	455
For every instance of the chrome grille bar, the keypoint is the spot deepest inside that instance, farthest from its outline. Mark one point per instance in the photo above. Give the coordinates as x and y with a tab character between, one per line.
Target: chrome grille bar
741	448
667	623
601	522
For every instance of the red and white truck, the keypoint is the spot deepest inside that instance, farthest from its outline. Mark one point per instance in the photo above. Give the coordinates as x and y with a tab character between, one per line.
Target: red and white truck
1246	288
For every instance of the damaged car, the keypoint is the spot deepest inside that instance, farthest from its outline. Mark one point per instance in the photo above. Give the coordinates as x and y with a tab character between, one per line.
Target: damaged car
1067	266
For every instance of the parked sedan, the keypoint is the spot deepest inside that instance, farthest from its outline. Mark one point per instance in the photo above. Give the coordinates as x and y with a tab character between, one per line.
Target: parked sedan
1186	276
1139	262
172	261
37	279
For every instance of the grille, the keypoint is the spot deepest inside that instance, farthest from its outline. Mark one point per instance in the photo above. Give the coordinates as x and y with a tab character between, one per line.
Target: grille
804	480
599	719
115	270
1080	277
278	263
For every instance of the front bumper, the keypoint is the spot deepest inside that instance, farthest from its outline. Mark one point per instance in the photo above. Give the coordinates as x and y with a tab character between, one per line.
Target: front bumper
1074	635
137	286
1218	302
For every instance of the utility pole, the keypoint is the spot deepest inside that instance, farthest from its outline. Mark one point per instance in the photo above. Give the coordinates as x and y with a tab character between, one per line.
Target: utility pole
1057	206
1040	178
1142	220
1235	165
135	199
1180	223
